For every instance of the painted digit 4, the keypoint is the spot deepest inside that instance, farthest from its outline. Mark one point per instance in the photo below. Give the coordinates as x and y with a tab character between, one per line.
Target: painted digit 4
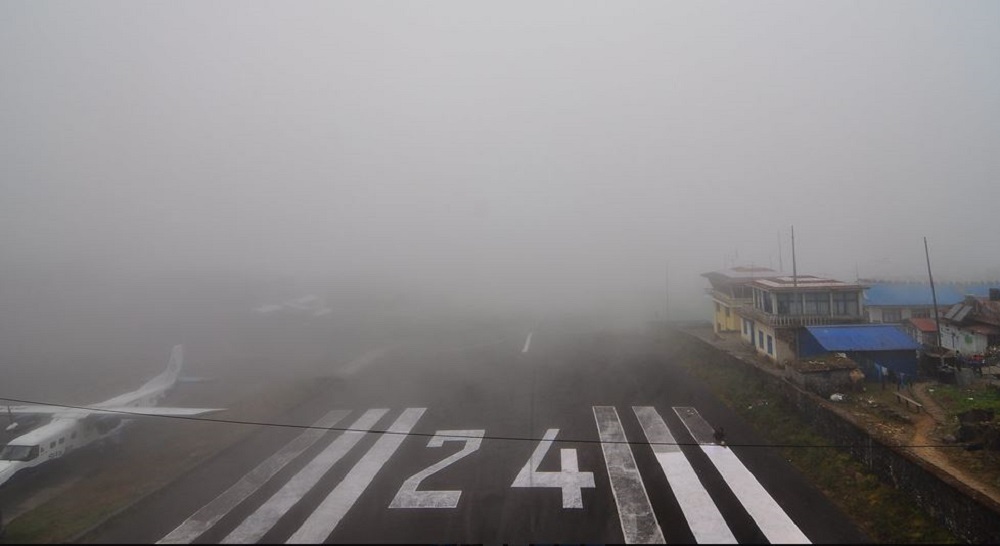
409	497
569	479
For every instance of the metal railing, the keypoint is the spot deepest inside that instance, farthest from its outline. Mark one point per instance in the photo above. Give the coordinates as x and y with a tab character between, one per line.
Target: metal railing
797	320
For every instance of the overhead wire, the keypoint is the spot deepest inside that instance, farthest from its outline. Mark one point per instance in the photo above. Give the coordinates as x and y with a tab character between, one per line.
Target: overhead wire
485	437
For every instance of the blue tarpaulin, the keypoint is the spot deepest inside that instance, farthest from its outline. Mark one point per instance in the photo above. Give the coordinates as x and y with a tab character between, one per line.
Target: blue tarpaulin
862	337
884	345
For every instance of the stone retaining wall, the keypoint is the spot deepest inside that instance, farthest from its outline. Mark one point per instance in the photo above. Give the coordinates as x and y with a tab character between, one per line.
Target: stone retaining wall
967	513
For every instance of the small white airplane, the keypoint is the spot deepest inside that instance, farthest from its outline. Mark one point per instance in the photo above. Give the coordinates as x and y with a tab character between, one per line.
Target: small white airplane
73	428
311	303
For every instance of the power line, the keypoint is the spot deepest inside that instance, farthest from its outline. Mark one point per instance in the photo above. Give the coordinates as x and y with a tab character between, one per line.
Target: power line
430	435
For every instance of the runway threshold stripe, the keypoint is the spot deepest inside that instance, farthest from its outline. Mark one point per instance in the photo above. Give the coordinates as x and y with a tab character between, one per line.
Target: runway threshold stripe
635	512
332	510
701	513
765	511
264	518
211	513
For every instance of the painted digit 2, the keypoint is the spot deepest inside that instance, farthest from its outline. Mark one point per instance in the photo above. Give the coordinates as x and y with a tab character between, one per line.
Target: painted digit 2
409	497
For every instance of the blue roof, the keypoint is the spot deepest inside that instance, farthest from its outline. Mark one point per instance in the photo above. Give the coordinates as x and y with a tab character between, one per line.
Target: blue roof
906	294
863	337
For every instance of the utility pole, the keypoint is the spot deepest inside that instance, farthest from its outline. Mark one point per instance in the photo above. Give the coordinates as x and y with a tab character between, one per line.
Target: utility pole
666	303
937	319
781	266
795	290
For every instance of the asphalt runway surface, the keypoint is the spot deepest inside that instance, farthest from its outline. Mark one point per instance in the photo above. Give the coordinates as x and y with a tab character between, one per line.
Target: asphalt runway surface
539	436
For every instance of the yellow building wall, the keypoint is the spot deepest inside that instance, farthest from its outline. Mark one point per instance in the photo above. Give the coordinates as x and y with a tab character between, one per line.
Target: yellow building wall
724	322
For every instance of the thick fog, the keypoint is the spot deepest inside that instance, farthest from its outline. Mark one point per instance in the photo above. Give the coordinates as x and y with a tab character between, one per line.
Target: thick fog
522	158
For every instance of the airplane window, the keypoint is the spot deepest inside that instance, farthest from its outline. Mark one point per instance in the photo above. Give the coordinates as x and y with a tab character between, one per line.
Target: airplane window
18	453
62	440
52	444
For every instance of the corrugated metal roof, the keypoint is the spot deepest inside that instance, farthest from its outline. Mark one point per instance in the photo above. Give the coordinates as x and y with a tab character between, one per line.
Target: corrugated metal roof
863	337
910	294
803	283
924	324
743	273
984	329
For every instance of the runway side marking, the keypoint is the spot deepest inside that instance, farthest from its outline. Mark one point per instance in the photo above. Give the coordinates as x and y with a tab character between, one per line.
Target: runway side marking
569	479
211	513
261	521
331	511
353	366
409	497
634	510
701	513
772	520
527	342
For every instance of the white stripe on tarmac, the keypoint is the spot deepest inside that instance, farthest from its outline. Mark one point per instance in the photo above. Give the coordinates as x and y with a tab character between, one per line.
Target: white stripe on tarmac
353	366
702	515
634	510
332	510
211	513
772	520
527	342
261	521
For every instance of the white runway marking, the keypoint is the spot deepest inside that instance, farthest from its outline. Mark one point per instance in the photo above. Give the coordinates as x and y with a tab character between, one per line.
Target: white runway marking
569	478
327	516
353	366
634	510
772	520
702	515
211	513
527	342
409	497
261	521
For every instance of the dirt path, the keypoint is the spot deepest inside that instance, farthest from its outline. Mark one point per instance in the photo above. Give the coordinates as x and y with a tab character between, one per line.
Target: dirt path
923	435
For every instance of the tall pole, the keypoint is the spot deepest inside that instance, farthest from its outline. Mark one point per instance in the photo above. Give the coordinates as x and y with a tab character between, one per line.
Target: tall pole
795	275
795	287
781	266
666	281
937	319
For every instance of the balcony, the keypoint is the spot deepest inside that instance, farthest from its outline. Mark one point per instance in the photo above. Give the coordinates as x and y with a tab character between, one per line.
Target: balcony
793	321
728	300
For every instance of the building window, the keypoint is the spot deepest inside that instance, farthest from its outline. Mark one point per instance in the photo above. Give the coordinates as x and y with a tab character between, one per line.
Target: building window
892	315
744	326
920	313
845	303
717	307
816	303
770	345
788	304
760	339
727	312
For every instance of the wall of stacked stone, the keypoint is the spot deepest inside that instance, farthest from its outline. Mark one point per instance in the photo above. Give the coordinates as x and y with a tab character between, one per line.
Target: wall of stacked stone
967	513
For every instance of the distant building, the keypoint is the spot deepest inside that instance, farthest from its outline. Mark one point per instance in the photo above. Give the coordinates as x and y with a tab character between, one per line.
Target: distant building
781	307
972	325
897	301
731	291
922	330
894	302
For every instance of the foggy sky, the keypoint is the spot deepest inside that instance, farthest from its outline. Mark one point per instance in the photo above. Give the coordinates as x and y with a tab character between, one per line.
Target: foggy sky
522	151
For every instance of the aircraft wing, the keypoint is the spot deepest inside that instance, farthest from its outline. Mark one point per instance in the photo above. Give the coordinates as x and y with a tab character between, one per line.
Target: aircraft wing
164	411
125	411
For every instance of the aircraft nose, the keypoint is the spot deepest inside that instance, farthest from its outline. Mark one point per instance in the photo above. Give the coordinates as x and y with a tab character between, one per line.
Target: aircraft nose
7	469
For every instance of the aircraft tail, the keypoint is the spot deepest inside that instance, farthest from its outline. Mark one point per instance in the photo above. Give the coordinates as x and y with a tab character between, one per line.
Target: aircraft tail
176	362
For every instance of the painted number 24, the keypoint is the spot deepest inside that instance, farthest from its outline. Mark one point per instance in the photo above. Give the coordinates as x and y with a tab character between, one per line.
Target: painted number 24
569	479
